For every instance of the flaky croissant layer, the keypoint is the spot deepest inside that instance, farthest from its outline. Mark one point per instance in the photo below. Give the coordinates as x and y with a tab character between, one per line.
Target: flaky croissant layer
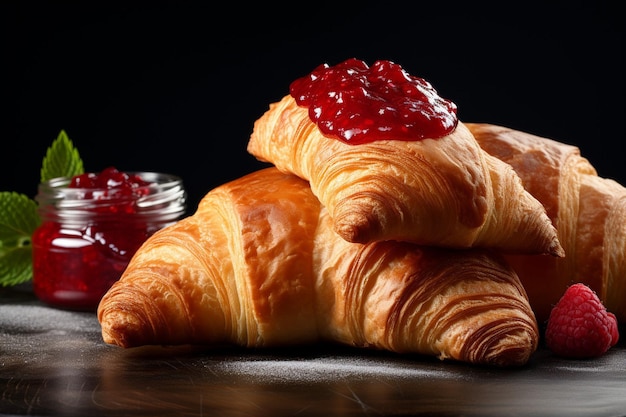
260	265
439	192
589	213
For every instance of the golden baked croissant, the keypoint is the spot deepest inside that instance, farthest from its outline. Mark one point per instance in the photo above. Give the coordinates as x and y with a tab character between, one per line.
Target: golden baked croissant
439	192
588	211
259	265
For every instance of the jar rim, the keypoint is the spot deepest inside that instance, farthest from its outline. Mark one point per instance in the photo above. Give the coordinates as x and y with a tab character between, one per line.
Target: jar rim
152	177
164	195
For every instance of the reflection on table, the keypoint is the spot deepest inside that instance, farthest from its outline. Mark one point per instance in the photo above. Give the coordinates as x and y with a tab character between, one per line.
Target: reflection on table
53	362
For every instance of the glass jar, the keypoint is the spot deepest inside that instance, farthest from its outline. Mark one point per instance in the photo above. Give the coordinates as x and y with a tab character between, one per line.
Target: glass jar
88	236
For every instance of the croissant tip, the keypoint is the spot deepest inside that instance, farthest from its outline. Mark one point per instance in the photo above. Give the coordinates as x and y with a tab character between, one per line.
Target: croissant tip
356	226
121	328
557	250
515	352
350	233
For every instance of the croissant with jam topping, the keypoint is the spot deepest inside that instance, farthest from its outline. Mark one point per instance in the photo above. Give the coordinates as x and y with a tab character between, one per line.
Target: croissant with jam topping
260	265
443	191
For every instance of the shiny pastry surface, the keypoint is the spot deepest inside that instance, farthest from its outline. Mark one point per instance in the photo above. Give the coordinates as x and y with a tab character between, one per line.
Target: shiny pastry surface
259	265
587	210
440	192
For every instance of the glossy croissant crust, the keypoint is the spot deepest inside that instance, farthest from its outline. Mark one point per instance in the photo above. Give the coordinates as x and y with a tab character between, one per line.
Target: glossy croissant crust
443	192
260	265
588	211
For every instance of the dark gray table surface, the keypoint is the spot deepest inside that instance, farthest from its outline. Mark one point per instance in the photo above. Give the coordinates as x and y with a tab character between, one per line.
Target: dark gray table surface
53	362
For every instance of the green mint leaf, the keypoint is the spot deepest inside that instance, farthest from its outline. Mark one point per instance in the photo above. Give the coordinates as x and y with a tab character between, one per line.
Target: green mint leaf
61	160
18	221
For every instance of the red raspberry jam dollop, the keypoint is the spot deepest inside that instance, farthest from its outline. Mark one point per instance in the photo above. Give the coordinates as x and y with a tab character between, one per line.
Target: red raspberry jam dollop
92	225
358	104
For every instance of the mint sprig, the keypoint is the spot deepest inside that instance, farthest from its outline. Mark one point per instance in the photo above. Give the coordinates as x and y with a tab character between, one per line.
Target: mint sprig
19	216
61	160
18	221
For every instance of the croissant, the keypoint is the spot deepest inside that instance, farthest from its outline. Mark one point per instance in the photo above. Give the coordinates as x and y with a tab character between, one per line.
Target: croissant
589	213
436	192
259	265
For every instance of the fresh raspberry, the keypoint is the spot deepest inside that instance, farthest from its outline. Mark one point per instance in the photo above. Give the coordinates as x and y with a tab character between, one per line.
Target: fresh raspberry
579	325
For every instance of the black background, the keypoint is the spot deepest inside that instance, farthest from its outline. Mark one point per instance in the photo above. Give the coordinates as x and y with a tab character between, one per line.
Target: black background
176	87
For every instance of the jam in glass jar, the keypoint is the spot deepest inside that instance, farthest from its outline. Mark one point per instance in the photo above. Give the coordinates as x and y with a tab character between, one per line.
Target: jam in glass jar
92	225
